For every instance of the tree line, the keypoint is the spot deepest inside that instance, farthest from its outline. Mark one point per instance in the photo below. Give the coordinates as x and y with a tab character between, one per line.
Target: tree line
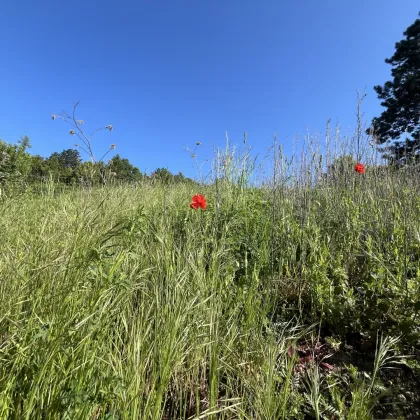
67	167
398	126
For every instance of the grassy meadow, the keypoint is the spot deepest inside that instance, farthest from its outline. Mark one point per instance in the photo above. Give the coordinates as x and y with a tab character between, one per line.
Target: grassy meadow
287	298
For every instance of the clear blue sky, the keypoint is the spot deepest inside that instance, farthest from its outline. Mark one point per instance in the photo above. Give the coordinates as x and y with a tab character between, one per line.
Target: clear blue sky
167	74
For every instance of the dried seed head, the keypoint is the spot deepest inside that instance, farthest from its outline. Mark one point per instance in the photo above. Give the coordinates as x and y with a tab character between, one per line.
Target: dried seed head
80	122
193	155
76	145
72	132
198	143
109	127
113	146
53	117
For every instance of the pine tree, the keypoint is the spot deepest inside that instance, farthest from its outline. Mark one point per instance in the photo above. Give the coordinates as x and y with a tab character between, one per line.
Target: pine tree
400	121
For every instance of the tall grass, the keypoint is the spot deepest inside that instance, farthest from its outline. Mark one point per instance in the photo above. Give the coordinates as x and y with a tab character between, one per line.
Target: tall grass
123	303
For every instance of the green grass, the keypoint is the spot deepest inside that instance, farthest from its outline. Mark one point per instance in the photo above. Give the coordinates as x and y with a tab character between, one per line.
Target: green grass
123	303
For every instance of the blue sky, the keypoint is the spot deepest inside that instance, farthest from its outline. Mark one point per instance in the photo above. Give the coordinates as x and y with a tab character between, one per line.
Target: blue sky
167	74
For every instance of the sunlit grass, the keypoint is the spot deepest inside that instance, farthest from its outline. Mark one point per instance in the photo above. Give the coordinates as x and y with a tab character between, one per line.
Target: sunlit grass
122	302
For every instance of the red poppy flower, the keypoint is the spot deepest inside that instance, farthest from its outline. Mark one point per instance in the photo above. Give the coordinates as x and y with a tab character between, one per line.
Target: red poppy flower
360	168
198	200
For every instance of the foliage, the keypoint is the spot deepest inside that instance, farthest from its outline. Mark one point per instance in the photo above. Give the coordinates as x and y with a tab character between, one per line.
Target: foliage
123	170
164	176
19	169
15	163
64	166
14	159
401	98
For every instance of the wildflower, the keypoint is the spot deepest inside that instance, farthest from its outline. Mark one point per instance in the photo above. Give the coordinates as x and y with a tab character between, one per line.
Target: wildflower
360	168
198	200
72	132
109	127
113	146
291	351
